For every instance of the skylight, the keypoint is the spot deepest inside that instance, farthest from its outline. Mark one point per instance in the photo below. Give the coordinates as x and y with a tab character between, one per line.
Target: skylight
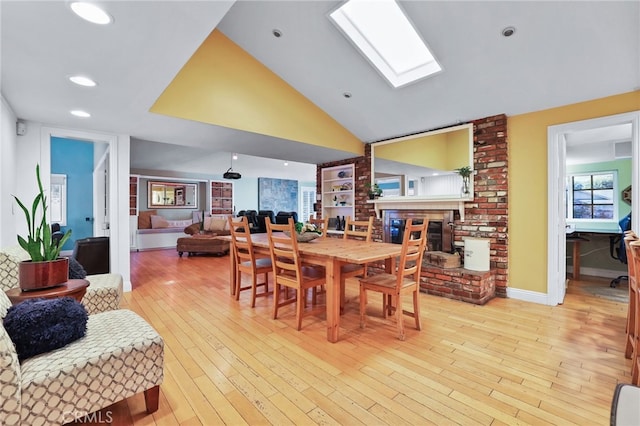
384	34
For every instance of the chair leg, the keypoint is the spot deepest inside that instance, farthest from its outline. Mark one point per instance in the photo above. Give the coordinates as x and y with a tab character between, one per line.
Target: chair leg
151	399
416	309
299	306
399	318
238	283
276	299
363	307
254	285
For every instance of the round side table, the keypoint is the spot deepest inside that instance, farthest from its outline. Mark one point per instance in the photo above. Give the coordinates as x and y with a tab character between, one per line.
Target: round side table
72	288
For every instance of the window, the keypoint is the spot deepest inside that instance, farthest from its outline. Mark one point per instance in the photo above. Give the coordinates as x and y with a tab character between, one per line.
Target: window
58	202
384	34
306	202
591	196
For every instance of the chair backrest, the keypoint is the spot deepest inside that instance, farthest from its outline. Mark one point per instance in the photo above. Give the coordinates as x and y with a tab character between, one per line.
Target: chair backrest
283	217
322	224
93	254
630	237
241	239
413	243
287	268
358	229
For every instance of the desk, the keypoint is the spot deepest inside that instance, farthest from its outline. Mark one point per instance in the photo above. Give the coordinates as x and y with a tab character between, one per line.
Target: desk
331	253
72	288
576	240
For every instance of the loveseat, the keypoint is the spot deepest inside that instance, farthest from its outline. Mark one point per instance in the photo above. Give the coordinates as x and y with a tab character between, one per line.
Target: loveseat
119	356
103	294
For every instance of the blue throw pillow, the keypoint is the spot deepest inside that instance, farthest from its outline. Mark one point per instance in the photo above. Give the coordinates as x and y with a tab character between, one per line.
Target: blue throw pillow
76	270
41	325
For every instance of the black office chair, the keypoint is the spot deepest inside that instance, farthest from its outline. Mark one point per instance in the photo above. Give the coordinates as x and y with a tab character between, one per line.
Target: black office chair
56	233
617	249
93	254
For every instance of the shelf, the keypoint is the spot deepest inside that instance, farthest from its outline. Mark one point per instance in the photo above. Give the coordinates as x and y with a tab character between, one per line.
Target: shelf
332	192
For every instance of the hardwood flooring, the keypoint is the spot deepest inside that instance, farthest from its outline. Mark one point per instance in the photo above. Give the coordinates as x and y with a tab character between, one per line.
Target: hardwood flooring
508	362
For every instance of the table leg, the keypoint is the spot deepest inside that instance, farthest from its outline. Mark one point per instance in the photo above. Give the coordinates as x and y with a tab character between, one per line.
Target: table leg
333	299
576	260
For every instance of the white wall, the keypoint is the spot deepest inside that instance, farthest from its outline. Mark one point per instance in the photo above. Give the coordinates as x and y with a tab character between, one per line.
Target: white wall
35	148
8	140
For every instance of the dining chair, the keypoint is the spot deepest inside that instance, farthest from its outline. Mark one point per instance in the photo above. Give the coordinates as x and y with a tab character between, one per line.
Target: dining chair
634	246
359	230
406	280
288	270
246	260
630	346
322	224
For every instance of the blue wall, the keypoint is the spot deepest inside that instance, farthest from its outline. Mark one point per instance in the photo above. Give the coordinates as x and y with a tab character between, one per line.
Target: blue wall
75	159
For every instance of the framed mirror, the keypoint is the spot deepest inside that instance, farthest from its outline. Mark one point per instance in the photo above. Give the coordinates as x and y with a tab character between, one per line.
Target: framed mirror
172	195
424	165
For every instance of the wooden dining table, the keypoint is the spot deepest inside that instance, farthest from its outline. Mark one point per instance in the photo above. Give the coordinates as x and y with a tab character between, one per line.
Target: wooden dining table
331	253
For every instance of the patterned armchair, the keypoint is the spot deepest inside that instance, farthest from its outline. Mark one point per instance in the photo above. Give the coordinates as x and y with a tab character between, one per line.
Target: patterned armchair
120	355
103	294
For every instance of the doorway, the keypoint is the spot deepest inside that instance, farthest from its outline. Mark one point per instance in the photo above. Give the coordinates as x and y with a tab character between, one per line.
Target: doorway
557	137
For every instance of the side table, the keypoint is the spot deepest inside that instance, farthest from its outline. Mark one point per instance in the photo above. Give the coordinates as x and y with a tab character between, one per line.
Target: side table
72	288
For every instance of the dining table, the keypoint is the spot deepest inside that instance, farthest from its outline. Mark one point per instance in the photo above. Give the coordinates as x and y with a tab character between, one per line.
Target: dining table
332	253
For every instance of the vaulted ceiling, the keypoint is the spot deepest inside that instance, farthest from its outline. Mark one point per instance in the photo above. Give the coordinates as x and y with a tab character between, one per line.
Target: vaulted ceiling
562	52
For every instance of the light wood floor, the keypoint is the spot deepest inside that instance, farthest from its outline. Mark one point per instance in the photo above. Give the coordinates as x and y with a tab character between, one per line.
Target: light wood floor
508	362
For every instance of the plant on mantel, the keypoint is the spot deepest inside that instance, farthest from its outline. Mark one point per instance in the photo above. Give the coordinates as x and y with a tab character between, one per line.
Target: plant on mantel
465	172
39	245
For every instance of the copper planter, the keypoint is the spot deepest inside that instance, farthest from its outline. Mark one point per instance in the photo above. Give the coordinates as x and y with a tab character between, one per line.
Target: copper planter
39	275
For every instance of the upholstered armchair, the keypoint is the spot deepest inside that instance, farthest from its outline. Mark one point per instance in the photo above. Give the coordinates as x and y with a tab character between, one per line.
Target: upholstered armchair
120	355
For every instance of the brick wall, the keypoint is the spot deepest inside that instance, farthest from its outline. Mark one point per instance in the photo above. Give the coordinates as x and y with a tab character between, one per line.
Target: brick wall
485	217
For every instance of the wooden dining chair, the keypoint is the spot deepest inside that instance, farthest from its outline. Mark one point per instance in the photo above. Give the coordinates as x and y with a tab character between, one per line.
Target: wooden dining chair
630	346
289	272
246	261
634	247
406	280
359	230
322	224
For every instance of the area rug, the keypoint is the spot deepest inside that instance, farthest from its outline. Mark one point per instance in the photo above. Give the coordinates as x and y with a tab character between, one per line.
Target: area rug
619	294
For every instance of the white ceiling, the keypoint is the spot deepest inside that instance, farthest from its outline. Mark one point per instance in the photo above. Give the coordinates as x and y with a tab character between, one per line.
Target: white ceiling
563	52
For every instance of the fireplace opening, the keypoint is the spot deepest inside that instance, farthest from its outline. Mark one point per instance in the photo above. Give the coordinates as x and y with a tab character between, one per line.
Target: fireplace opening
439	230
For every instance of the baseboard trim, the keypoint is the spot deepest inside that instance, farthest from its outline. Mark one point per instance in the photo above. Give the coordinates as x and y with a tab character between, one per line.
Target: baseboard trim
603	273
529	296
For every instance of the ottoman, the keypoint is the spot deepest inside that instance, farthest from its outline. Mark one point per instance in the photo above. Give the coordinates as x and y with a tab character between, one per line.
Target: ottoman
207	243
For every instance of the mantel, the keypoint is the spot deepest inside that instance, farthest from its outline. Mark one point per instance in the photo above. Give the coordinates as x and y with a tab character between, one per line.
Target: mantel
418	203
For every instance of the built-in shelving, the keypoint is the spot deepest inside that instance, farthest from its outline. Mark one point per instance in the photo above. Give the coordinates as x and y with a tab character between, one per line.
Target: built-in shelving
338	192
221	197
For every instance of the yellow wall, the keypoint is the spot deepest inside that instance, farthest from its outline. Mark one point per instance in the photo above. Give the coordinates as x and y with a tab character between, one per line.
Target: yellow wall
458	149
527	139
221	84
427	151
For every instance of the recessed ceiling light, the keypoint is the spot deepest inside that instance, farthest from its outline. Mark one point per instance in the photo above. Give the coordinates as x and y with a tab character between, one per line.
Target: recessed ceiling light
508	31
82	81
234	156
92	13
286	163
80	113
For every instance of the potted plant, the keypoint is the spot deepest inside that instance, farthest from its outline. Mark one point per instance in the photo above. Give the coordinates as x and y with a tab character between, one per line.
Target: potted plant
465	172
374	191
46	268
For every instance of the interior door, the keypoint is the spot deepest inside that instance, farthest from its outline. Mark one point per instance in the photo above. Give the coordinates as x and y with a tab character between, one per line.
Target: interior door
557	250
101	197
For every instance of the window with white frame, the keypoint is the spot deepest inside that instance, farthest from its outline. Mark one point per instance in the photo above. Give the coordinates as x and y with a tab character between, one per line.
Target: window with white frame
591	196
308	197
58	199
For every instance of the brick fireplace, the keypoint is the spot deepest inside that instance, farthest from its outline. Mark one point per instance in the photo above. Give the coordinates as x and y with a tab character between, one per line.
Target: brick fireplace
486	216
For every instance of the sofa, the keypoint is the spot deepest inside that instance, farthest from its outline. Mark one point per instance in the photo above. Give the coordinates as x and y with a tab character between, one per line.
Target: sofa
103	294
119	356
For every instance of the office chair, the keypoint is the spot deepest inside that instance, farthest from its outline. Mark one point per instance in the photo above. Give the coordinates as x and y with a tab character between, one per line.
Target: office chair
617	249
